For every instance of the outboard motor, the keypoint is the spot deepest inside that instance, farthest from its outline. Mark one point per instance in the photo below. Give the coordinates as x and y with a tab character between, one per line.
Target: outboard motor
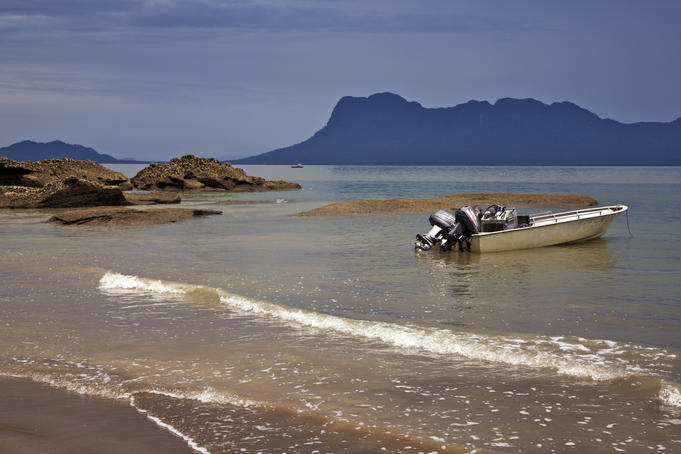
441	221
449	229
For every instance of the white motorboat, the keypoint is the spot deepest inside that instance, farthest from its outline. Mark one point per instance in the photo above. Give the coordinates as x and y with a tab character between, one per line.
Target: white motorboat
500	229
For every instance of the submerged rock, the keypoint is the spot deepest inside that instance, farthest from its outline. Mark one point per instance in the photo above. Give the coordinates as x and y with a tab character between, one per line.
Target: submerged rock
128	217
195	173
151	198
449	202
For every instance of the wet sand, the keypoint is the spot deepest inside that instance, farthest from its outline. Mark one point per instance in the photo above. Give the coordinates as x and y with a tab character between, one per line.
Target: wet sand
36	418
448	202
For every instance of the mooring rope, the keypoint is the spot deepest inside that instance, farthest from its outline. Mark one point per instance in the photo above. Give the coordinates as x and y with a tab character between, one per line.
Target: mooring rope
631	235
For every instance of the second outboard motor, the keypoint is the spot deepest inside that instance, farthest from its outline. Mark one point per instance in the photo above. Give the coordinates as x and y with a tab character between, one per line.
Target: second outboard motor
468	224
470	217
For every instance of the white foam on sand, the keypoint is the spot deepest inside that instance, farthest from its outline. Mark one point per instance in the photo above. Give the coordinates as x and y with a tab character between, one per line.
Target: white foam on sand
93	391
670	394
210	396
205	396
190	441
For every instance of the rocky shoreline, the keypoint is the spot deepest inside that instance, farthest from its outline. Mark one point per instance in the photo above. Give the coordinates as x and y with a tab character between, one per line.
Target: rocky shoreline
69	192
192	173
449	202
68	183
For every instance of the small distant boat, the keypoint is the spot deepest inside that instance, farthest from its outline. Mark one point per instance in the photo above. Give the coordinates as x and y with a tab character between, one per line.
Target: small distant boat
297	166
500	229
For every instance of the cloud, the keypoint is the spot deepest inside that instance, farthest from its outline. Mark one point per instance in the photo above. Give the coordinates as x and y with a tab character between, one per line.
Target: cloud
272	15
67	7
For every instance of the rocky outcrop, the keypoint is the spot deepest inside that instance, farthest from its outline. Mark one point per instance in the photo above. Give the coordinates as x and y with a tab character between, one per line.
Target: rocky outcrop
62	183
70	192
449	202
127	217
194	173
38	174
58	183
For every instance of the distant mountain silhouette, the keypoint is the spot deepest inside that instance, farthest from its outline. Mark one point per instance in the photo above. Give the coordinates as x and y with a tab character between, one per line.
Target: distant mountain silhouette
385	129
37	151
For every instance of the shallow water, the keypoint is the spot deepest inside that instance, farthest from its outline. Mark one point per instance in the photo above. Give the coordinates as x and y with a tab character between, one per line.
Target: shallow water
260	331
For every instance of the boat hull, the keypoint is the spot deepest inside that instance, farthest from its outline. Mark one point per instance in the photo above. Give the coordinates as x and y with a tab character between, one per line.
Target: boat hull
550	230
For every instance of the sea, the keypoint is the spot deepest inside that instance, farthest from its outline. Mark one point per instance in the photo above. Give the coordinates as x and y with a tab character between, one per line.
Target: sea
262	332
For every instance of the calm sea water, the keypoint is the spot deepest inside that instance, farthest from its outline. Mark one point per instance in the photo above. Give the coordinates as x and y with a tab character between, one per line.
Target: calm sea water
257	331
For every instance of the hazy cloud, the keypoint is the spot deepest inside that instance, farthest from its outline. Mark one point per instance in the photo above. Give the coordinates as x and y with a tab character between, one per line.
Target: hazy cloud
339	16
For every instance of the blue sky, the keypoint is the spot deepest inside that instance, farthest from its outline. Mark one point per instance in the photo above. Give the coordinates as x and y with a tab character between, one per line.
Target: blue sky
153	79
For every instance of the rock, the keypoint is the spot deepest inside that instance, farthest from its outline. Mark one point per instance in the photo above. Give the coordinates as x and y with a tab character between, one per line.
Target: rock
74	192
194	173
70	192
56	183
450	202
127	217
37	174
151	198
59	183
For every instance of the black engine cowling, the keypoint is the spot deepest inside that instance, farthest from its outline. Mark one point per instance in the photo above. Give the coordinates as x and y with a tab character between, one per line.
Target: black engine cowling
442	219
450	228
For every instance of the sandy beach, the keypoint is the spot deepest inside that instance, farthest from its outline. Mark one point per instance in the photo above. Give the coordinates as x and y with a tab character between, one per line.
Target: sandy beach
36	418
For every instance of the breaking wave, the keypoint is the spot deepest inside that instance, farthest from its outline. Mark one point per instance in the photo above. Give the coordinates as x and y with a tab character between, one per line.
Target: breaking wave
597	360
117	282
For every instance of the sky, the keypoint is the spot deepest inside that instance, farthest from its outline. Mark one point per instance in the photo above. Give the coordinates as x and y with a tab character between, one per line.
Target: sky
155	79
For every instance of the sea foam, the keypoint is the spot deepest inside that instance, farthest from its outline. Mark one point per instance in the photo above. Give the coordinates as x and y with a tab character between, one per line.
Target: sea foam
573	356
535	353
210	396
670	394
116	281
159	422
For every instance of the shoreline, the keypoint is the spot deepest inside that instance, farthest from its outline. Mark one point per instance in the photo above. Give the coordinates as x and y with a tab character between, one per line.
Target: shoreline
37	418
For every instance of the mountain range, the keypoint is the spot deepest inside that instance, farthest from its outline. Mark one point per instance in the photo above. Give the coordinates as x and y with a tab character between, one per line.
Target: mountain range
28	150
386	129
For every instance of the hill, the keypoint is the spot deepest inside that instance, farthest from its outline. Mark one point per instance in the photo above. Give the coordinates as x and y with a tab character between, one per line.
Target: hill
37	151
386	129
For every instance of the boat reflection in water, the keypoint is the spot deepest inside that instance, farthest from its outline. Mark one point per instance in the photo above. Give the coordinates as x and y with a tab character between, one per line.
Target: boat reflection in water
499	291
